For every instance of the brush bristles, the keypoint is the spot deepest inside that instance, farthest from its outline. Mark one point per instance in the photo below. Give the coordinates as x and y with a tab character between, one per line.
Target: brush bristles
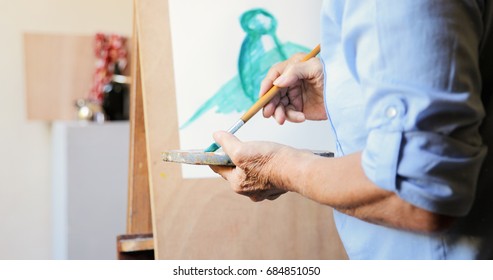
212	148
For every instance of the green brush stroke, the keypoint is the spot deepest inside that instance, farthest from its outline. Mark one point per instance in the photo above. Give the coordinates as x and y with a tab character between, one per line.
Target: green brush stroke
254	61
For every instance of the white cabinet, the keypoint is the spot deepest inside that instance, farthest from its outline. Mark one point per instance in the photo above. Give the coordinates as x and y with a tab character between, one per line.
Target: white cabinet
90	180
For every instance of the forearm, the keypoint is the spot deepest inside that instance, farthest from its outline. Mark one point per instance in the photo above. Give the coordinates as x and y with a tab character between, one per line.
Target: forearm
342	184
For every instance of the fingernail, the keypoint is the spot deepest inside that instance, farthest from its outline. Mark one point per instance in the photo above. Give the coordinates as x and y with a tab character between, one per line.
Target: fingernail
216	134
281	79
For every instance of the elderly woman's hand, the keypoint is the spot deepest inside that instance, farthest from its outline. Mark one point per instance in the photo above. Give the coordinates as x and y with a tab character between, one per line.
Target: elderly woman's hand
301	95
257	163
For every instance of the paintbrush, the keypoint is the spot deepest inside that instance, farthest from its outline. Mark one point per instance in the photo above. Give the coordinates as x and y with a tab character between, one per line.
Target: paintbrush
261	102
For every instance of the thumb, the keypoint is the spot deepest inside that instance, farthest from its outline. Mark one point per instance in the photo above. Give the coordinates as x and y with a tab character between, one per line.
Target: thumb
228	142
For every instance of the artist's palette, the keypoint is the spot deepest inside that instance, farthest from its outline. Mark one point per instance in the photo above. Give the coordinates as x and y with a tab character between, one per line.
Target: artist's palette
199	157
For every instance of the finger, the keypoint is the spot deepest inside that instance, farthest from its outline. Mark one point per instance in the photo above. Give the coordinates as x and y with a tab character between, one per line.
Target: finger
228	142
295	98
274	72
266	84
270	195
269	109
274	196
299	71
277	70
256	198
285	100
294	115
224	171
280	115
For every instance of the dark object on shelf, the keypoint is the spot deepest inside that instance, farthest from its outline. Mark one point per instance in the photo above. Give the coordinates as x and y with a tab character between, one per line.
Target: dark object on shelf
115	98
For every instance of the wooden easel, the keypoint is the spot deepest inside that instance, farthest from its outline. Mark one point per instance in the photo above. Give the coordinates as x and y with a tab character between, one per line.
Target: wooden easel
138	242
171	217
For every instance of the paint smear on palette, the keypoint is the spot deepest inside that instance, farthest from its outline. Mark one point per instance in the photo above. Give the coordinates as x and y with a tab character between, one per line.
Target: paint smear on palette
255	59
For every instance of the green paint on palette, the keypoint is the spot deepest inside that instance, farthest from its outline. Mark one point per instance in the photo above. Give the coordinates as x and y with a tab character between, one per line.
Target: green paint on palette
241	92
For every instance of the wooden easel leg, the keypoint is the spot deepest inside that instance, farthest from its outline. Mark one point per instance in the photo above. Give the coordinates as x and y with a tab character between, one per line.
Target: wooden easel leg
137	242
139	209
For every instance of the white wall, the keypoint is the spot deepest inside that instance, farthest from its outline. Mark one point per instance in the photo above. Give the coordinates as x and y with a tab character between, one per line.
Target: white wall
25	155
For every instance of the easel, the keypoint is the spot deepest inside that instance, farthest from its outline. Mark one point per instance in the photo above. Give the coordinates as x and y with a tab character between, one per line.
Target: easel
138	242
171	217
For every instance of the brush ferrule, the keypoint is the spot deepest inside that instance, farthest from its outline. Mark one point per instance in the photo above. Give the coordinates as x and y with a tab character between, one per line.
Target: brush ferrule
236	126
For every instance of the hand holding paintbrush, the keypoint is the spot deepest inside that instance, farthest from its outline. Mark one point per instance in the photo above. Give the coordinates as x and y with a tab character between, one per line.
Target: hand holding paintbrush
259	104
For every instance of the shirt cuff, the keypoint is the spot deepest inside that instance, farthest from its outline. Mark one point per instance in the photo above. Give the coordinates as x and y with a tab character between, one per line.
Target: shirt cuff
429	170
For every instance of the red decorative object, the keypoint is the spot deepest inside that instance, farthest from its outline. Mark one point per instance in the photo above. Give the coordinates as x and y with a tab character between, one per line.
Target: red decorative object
111	52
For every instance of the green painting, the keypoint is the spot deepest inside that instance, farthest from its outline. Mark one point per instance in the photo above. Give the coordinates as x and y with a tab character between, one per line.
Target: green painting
254	60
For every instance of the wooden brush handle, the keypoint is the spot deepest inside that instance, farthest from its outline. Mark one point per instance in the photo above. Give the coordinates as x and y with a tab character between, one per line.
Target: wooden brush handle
264	99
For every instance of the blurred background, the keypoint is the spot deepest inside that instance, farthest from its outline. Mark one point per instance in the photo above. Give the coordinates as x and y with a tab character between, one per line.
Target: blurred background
41	196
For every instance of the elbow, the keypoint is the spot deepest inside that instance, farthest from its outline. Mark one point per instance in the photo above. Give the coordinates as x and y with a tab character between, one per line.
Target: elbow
413	218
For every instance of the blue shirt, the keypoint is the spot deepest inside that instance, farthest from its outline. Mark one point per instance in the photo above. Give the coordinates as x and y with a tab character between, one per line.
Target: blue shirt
404	85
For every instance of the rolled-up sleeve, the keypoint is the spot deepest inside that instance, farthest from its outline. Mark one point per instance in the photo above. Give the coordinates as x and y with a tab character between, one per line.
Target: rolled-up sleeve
417	64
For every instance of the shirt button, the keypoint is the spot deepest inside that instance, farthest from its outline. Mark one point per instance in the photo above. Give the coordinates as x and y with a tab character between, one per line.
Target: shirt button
391	112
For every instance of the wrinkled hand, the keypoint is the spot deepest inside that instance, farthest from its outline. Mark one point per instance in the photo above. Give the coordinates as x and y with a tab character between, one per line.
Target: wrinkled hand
301	95
253	175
